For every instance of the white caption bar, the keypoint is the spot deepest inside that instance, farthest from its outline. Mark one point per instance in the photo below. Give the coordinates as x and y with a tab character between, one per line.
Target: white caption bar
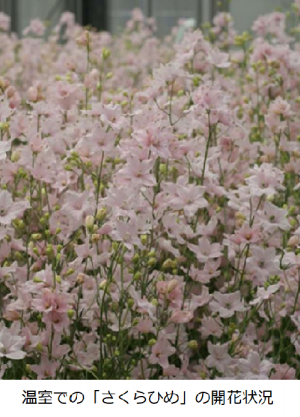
73	398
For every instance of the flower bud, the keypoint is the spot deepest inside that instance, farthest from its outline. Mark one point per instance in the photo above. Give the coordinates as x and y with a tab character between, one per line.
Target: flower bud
130	303
39	347
137	276
172	285
15	156
240	216
101	214
80	278
163	169
144	239
68	167
70	313
19	256
8	238
293	241
102	188
89	223
152	254
167	264
69	272
4	127
36	236
136	258
193	344
115	246
105	53
292	210
96	237
49	251
196	81
151	262
83	39
103	285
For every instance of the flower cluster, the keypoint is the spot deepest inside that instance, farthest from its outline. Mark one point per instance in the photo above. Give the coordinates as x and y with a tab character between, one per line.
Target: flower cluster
149	201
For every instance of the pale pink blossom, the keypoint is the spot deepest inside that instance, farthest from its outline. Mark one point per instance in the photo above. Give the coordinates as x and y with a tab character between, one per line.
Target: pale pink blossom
10	210
218	356
11	345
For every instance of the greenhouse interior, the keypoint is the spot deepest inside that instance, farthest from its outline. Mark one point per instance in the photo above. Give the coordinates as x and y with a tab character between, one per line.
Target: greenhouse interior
150	190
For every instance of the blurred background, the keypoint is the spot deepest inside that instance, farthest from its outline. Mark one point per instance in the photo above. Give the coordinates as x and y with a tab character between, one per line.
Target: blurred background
113	14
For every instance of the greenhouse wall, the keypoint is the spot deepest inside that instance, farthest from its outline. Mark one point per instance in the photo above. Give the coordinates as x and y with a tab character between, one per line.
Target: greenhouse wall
117	12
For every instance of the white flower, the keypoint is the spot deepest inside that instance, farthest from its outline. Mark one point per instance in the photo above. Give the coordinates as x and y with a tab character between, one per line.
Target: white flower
9	210
11	345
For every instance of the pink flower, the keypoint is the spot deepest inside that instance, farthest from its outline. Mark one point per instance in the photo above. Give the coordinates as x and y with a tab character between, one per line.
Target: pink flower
210	270
189	198
206	250
137	172
246	234
264	262
210	326
145	326
197	301
283	372
280	107
47	368
219	59
50	301
155	139
265	294
4	22
66	95
11	345
127	233
4	147
167	73
161	351
181	316
59	321
218	356
86	352
255	368
78	206
227	304
265	180
36	27
9	210
99	140
273	218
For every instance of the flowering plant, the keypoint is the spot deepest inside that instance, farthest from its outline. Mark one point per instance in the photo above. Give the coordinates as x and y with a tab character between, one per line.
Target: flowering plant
149	203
